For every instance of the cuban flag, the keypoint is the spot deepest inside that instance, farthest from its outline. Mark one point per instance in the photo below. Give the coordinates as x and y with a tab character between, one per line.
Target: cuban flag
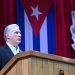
36	21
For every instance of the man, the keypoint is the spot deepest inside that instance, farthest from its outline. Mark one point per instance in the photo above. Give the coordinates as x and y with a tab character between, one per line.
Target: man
12	36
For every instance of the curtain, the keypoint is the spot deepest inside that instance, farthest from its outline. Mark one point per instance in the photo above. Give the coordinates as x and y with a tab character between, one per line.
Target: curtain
7	16
63	22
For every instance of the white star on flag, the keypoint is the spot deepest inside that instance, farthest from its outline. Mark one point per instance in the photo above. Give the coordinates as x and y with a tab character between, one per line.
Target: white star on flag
35	12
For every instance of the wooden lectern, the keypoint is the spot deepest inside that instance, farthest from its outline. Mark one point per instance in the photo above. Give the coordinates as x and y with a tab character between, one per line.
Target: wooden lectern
36	63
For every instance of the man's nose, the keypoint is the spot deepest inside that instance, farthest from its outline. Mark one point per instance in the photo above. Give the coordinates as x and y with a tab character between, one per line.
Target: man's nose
19	34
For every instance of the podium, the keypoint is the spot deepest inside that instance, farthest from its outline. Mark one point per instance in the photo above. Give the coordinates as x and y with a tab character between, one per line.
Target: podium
36	63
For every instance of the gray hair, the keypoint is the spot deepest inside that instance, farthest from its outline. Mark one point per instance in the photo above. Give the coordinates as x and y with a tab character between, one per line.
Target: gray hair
8	29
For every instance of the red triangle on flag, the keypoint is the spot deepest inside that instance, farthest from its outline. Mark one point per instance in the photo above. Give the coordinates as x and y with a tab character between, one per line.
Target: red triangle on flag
36	11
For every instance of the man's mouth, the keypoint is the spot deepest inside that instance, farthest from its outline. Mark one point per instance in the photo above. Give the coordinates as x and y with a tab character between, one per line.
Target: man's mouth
19	39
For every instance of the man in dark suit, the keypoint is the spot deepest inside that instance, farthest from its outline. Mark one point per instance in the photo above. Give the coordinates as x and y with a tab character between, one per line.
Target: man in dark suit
12	35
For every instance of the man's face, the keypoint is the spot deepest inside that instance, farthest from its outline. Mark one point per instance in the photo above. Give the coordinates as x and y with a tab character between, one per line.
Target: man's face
15	36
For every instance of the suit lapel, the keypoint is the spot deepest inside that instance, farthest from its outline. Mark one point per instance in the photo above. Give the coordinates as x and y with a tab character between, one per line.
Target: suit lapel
8	51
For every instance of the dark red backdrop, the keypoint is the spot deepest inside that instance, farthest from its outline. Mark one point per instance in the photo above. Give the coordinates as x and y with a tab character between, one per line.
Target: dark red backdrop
7	16
63	21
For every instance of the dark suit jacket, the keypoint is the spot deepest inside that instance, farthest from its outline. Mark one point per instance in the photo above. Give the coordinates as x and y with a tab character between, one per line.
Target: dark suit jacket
5	55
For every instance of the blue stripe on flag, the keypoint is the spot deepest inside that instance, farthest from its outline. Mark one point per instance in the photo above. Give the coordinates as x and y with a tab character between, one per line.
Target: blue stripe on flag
36	43
50	26
20	22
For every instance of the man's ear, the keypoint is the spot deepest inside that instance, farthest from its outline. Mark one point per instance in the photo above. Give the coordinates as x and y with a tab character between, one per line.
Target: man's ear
8	36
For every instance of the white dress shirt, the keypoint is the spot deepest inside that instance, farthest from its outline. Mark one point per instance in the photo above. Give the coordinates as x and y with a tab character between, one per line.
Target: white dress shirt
13	49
